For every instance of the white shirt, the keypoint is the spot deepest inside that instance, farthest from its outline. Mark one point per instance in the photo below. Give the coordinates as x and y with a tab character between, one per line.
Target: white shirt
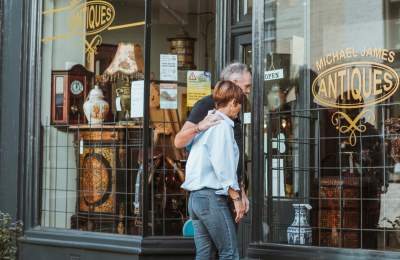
213	159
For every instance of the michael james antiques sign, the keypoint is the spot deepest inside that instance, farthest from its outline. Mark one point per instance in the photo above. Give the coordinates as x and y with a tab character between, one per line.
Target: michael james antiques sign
352	81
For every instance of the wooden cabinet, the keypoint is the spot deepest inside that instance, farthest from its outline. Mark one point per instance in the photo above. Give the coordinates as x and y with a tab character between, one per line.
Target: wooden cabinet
339	211
108	164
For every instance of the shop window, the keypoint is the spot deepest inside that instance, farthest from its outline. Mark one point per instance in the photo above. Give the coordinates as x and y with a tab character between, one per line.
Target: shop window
182	33
331	124
92	112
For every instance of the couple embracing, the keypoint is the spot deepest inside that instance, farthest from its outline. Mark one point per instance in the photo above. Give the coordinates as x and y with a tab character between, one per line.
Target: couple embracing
213	131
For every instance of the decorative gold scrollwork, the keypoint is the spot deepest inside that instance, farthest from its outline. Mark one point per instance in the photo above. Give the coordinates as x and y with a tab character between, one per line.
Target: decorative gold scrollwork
353	125
91	47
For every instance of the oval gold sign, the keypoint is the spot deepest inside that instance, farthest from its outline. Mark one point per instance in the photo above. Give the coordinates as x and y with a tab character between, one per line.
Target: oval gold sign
355	85
99	16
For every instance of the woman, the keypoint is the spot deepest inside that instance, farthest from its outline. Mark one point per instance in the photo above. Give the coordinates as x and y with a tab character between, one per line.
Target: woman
211	178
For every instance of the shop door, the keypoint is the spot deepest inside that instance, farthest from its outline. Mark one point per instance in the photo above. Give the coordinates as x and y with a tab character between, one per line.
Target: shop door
242	53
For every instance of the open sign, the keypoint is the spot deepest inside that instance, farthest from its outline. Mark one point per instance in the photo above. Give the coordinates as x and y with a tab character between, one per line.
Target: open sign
273	74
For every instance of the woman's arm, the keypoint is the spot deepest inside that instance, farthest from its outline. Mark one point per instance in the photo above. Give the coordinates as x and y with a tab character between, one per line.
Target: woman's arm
221	149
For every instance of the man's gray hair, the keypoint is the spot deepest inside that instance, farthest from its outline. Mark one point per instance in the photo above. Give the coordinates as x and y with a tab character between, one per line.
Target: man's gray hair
234	71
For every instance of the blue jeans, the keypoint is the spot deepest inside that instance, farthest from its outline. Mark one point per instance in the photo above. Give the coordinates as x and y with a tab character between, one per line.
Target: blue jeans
213	225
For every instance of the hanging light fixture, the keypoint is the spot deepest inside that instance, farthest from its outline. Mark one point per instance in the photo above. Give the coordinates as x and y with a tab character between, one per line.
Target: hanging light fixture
183	46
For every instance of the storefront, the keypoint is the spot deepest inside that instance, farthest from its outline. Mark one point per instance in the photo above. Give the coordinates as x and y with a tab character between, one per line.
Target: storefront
325	116
95	91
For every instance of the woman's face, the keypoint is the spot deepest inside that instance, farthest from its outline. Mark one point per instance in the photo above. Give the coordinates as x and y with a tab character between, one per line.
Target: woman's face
234	109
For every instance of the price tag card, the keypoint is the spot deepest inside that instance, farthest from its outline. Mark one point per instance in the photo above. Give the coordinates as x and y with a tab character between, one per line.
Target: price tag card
81	146
118	104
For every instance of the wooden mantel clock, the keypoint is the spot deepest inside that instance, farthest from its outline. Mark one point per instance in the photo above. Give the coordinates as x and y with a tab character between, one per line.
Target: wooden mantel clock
69	89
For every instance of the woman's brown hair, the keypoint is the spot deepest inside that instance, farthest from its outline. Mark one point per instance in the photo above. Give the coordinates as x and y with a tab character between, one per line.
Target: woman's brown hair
225	91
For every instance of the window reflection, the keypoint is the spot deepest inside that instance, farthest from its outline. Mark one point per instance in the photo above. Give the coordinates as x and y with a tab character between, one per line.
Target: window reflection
341	162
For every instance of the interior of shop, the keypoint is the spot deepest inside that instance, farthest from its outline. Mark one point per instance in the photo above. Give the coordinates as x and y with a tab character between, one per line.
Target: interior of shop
92	114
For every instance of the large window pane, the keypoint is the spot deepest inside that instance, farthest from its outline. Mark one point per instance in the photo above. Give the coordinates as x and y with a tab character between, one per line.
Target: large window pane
92	170
183	38
330	123
92	146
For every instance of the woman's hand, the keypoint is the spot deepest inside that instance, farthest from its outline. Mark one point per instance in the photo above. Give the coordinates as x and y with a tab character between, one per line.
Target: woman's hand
239	209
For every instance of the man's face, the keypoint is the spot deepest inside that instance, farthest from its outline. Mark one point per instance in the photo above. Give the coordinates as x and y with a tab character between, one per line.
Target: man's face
244	83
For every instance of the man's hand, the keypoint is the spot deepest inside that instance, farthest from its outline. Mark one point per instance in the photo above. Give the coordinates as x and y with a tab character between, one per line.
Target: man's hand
189	129
245	201
209	121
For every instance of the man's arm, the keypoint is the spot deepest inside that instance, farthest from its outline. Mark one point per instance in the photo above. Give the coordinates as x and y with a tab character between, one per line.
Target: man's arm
186	134
189	130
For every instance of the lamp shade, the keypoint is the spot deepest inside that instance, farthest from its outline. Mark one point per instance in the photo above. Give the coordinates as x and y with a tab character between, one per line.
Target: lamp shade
126	64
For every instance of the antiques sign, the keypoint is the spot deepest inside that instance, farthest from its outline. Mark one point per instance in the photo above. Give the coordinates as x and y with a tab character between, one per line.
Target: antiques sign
99	16
352	87
87	18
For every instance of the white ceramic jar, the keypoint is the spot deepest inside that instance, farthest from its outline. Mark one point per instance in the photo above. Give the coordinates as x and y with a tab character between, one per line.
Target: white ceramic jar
95	107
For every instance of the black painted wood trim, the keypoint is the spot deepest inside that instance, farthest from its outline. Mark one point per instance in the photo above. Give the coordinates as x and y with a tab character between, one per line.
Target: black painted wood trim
257	119
240	31
221	34
168	246
83	240
146	112
280	251
135	245
1	52
10	105
241	25
29	134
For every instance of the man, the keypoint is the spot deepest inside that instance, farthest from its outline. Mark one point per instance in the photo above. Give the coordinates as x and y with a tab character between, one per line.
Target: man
199	121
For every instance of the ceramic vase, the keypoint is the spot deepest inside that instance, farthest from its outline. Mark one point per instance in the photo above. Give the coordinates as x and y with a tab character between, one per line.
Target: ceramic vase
95	107
299	232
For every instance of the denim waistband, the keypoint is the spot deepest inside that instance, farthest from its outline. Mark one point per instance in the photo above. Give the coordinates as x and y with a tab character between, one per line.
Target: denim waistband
206	191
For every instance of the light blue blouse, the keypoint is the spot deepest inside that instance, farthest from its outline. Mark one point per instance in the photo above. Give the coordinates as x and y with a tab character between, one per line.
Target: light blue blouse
213	159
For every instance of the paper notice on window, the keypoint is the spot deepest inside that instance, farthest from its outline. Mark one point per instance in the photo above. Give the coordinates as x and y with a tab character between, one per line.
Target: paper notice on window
247	118
198	86
137	98
168	67
168	96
